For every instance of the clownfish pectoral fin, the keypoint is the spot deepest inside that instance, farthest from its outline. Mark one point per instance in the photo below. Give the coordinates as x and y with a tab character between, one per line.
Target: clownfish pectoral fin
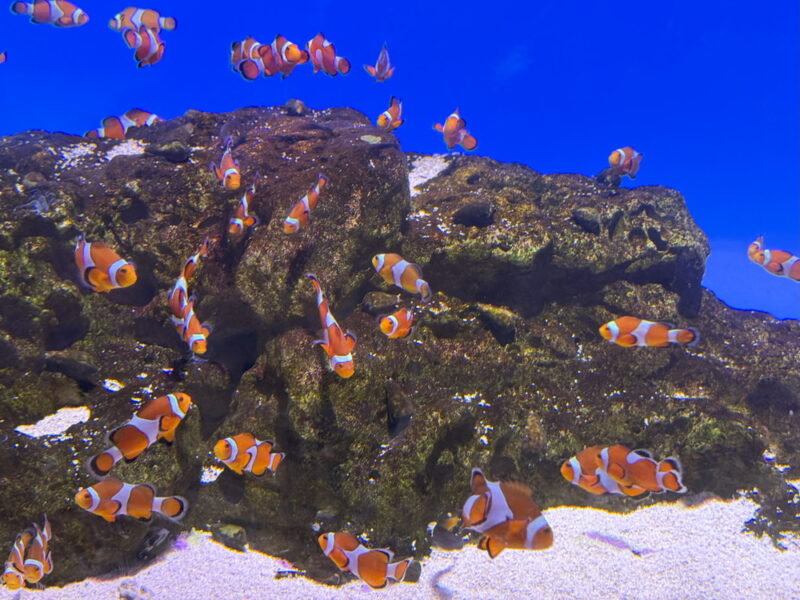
351	340
207	328
626	339
616	472
168	436
438	127
491	545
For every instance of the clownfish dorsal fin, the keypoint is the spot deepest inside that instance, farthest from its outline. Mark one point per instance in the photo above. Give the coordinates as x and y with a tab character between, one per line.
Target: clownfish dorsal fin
477	482
673	462
351	340
643	453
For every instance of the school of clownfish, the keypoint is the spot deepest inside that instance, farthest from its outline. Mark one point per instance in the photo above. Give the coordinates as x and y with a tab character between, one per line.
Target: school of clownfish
502	512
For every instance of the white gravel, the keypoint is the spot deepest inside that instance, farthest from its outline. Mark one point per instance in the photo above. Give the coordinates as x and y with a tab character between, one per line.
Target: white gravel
57	423
425	168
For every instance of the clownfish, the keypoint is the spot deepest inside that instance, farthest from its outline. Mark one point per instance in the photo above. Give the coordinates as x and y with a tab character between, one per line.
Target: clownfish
454	133
112	498
283	58
38	558
243	452
149	47
585	470
337	344
397	325
13	575
155	420
178	297
323	57
59	13
389	119
101	268
192	331
397	271
246	58
227	172
300	215
242	219
505	514
777	262
631	331
637	467
3	57
624	161
373	567
383	68
134	18
117	127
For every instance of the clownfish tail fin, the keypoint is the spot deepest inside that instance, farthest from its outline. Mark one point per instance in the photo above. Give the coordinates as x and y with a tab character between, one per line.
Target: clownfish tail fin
172	507
397	570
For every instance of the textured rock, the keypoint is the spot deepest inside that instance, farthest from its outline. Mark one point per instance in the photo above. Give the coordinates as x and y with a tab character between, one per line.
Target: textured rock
505	371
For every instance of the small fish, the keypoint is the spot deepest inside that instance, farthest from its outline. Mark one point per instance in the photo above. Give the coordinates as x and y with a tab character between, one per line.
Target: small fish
155	420
373	567
283	58
397	325
59	13
337	344
637	467
631	331
13	575
178	297
383	69
3	57
389	119
192	331
323	57
300	215
134	18
38	558
242	219
397	271
585	470
101	268
149	47
624	161
112	498
454	133
117	127
243	452
246	58
227	172
777	262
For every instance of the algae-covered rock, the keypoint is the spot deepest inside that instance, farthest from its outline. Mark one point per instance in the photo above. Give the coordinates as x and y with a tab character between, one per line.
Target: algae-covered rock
505	369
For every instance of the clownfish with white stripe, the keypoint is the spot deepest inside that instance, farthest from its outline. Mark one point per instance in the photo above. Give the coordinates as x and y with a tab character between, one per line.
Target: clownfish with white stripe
149	47
243	452
13	575
337	344
454	133
58	13
777	262
397	325
178	297
101	268
156	420
323	57
227	172
585	470
624	161
134	18
638	468
632	331
38	558
246	58
373	567
389	120
504	512
242	219
112	498
194	333
383	68
397	271
117	127
300	215
283	58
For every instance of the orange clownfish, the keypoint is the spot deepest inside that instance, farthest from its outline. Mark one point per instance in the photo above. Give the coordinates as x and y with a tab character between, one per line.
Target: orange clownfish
192	331
505	514
178	297
300	215
242	219
30	558
3	57
112	498
337	344
134	18
14	573
246	58
373	567
454	133
283	58
631	331
397	271
383	69
155	420
149	47
323	57
586	471
117	127
227	172
101	268
397	325
638	468
624	161
59	13
243	452
777	262
390	119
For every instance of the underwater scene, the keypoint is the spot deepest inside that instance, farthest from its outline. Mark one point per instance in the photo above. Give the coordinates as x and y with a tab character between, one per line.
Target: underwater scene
420	301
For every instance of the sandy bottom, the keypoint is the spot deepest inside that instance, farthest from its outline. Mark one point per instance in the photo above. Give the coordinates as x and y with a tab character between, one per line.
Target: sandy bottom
665	552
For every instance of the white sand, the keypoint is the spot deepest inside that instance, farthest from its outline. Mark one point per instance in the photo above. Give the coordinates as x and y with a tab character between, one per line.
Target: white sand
685	554
57	423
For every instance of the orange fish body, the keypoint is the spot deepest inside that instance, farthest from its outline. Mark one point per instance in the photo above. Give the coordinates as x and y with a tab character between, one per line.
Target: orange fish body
38	559
383	68
337	344
228	170
390	119
453	131
242	219
178	297
397	271
777	262
285	56
581	470
156	420
134	18
632	331
624	161
373	567
149	47
59	13
246	58
192	331
101	268
323	57
243	452
112	498
397	325
13	575
300	215
638	468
